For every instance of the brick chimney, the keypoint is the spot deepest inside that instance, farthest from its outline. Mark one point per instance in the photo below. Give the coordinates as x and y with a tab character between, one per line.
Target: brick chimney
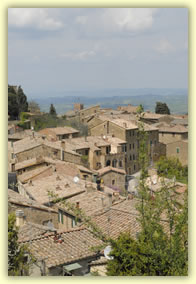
20	218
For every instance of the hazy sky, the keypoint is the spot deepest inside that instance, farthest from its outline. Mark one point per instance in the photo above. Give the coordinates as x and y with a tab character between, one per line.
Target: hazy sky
53	50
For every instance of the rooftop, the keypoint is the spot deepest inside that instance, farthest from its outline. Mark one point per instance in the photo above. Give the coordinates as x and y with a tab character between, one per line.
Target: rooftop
62	185
59	130
173	129
75	245
110	169
16	198
94	202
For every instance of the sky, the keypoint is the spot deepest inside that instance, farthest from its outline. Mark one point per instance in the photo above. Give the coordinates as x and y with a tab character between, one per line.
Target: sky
52	50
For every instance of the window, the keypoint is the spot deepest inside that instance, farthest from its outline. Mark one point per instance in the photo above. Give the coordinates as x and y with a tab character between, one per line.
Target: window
177	150
86	152
108	163
129	146
73	223
120	164
114	162
97	153
133	145
133	157
107	149
134	167
130	157
113	182
133	132
60	216
130	133
151	143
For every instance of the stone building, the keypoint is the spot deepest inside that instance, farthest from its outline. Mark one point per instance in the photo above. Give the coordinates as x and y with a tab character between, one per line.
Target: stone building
33	148
127	131
176	149
170	133
67	253
59	133
113	178
99	151
33	211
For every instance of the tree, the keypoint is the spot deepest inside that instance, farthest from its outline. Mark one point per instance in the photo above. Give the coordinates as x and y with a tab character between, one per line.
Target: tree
17	261
52	110
34	107
162	108
17	101
140	109
171	167
156	251
22	100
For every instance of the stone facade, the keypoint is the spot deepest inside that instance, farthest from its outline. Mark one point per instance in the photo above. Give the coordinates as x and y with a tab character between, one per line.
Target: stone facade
178	149
169	137
132	147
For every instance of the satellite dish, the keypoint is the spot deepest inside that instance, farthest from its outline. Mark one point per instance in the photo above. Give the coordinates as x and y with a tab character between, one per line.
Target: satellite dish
107	251
76	179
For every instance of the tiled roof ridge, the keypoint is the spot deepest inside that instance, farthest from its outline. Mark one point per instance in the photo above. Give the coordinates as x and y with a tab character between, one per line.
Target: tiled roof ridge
48	235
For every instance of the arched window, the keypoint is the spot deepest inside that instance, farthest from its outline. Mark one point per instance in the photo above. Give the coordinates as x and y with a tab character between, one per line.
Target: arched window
120	164
108	163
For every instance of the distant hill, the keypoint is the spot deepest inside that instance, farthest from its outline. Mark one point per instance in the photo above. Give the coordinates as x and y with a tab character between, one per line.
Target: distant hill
176	99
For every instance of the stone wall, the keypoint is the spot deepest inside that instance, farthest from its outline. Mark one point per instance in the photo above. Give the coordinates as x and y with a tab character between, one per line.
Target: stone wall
178	150
171	137
35	215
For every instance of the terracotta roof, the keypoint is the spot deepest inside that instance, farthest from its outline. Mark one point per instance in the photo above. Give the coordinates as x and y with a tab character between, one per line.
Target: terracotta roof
95	106
25	144
30	231
33	173
109	169
94	202
59	130
63	186
16	198
76	245
29	163
151	115
173	129
113	222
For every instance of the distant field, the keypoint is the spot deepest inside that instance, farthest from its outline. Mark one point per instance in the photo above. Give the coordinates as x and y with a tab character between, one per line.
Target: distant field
177	100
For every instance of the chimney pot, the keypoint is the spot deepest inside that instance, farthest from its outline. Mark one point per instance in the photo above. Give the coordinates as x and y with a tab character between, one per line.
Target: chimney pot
19	218
77	204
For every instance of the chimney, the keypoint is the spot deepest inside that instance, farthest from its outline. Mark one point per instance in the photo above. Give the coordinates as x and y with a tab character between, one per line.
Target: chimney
13	167
20	218
30	182
77	204
109	199
63	144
